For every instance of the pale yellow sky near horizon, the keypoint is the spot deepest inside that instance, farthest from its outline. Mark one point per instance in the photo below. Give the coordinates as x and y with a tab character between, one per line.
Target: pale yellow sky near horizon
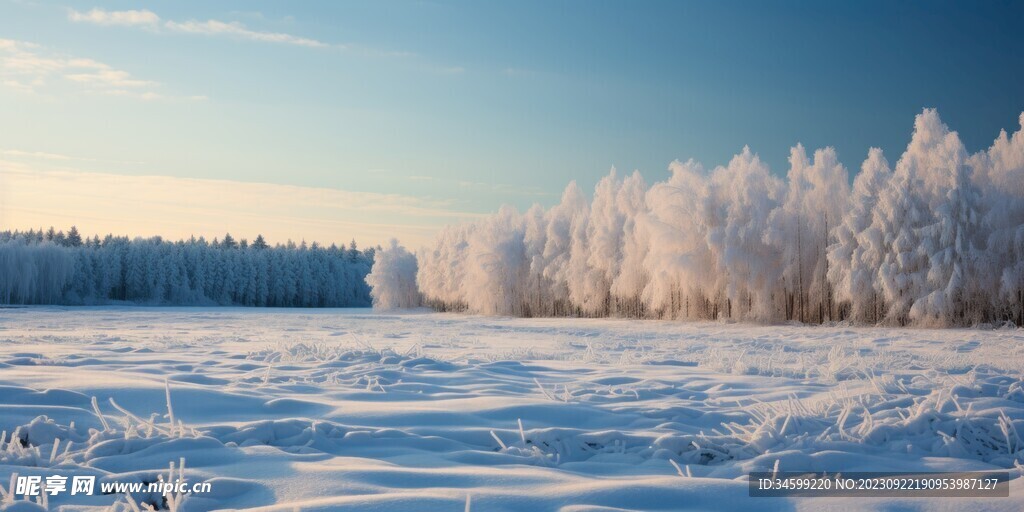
32	196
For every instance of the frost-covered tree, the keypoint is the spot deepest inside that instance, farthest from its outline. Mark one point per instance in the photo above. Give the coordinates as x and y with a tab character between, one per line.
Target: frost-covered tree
603	247
259	243
34	270
678	261
74	239
999	173
578	273
34	273
496	266
562	219
392	279
936	241
947	229
742	196
856	251
442	269
537	285
629	277
951	242
898	219
801	228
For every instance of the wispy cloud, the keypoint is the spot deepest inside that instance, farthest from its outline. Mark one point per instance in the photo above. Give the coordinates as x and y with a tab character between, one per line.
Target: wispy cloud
38	194
44	155
29	67
122	18
479	186
149	19
91	72
505	188
238	30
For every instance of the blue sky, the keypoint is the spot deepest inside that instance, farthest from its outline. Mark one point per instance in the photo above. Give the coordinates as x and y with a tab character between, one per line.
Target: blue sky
443	110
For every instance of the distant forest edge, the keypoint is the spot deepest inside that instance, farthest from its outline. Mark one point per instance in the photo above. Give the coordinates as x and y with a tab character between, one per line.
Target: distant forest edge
52	267
938	240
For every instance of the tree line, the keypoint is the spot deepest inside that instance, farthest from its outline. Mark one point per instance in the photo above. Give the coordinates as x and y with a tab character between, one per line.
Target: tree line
54	267
937	240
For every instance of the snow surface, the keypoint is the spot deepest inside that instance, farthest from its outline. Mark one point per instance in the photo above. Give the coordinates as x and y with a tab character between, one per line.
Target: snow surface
357	410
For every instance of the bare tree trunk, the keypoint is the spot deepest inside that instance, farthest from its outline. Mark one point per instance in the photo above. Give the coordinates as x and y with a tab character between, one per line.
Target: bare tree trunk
800	267
826	290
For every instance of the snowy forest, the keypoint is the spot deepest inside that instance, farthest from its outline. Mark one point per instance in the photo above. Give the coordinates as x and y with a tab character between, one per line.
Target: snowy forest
937	240
52	267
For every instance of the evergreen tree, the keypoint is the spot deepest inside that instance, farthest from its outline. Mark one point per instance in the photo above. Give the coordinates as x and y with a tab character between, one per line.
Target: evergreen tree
259	244
73	238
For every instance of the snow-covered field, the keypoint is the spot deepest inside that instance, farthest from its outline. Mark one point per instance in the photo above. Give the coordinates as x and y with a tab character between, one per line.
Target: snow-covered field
356	410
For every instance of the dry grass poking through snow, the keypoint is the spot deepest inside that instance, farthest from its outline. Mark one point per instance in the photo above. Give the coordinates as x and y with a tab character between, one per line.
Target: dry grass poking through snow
324	409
